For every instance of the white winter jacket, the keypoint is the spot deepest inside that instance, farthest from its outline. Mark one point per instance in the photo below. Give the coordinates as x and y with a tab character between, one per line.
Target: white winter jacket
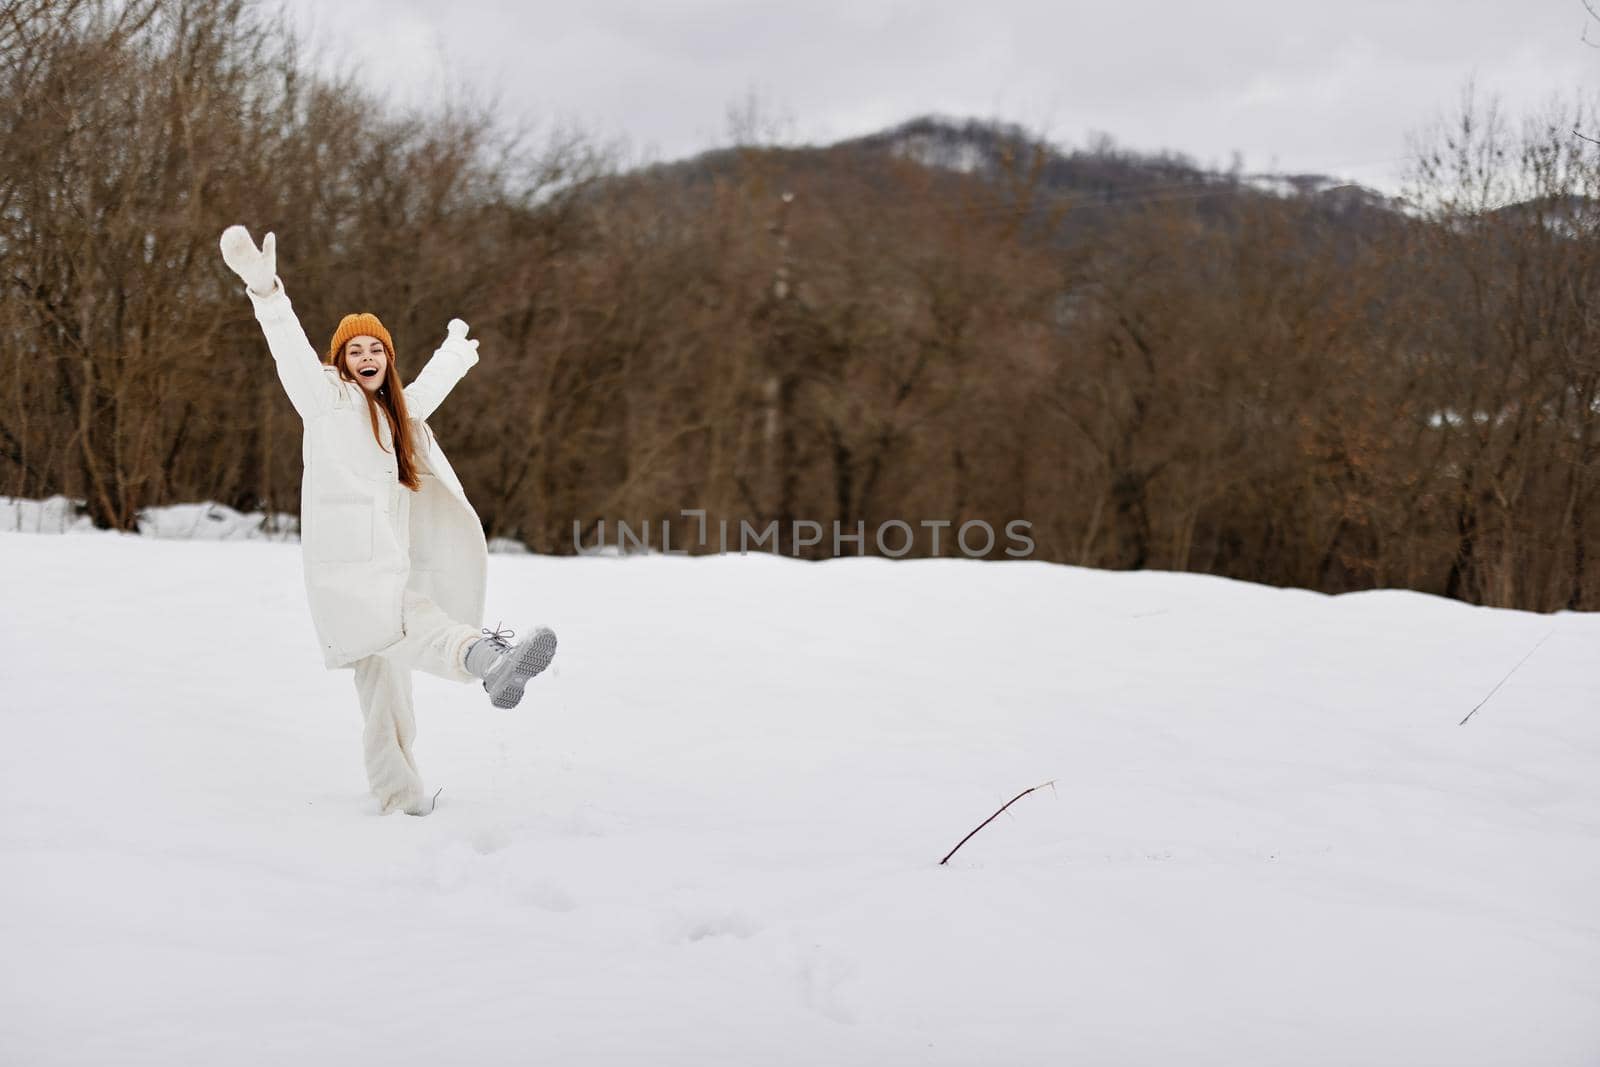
361	553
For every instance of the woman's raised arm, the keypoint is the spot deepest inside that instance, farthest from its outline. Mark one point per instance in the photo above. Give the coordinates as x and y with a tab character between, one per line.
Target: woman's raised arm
450	361
299	369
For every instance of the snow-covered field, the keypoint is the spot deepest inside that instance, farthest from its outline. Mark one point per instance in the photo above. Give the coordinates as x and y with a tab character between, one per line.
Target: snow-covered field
710	835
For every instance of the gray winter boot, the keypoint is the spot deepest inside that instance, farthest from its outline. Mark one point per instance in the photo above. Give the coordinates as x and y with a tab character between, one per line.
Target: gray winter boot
505	668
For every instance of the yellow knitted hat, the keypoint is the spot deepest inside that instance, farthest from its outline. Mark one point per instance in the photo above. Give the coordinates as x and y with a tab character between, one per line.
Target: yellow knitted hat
356	325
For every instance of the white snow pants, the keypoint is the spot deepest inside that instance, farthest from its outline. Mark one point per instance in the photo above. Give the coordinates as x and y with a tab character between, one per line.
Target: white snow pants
433	642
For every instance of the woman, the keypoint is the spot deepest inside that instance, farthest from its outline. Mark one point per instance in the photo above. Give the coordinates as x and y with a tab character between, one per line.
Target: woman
395	560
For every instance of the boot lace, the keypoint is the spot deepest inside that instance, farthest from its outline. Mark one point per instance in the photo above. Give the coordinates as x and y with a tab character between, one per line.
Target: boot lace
499	636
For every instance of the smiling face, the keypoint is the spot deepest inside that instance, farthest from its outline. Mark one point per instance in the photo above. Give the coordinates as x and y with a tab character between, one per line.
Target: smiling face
367	361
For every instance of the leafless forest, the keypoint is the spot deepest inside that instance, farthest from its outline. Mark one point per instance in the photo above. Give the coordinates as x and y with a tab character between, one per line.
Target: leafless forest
1157	366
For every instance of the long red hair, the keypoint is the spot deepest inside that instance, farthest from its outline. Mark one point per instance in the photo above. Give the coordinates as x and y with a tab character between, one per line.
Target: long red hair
389	398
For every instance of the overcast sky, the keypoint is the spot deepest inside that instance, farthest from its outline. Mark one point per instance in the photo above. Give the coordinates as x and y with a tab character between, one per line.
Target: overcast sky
1333	87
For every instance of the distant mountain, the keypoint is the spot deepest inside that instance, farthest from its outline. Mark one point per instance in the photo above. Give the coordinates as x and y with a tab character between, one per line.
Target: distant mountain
1102	175
1572	215
1102	170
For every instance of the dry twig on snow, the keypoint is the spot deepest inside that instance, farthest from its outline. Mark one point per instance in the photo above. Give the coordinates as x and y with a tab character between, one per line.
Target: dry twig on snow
1502	681
993	817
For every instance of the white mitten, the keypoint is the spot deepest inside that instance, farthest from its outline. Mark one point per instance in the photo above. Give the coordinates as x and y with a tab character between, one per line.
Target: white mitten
257	268
456	333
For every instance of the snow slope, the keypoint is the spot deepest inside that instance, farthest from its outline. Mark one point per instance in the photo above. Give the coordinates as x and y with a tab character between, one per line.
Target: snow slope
183	522
710	835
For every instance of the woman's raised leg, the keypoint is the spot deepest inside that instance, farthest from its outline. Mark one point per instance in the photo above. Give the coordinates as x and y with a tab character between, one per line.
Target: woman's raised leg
433	641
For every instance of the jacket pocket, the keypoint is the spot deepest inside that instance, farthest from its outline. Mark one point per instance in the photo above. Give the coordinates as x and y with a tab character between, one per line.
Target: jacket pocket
341	529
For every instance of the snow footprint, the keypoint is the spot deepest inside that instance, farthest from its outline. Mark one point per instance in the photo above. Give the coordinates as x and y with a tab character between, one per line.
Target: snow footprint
547	896
701	925
488	862
485	842
820	974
